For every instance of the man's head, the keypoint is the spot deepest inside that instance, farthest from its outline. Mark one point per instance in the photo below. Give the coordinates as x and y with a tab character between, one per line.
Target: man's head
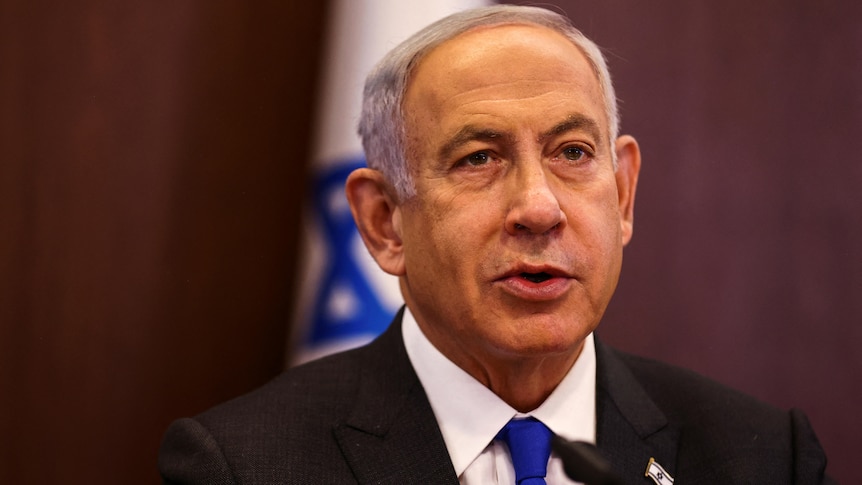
381	125
509	245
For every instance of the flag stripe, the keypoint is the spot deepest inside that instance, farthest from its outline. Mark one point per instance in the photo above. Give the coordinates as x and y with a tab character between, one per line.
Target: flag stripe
345	298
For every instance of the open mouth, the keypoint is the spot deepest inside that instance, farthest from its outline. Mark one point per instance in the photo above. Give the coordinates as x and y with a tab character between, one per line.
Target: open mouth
535	285
536	277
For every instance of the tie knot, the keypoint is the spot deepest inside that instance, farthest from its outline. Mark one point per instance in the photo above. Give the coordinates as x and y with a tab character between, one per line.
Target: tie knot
529	442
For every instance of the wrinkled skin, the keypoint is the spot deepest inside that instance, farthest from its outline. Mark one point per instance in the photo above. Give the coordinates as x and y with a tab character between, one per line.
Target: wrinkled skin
511	249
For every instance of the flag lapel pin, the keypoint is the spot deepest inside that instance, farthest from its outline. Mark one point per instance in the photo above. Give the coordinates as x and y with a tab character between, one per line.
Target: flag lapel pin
658	474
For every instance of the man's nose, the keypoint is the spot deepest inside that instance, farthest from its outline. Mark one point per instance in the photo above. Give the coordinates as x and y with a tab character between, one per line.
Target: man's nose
534	208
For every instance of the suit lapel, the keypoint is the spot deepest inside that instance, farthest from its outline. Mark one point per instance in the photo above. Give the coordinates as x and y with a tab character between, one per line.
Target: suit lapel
631	428
391	434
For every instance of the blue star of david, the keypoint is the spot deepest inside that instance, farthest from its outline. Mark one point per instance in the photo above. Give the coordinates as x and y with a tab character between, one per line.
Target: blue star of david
343	277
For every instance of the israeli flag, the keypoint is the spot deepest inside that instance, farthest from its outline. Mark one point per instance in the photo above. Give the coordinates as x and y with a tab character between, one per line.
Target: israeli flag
345	300
658	474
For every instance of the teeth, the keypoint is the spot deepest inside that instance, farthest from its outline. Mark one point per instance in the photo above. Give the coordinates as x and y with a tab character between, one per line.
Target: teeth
536	277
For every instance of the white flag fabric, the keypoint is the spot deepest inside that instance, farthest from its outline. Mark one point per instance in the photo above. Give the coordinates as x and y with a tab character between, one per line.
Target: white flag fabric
658	474
345	299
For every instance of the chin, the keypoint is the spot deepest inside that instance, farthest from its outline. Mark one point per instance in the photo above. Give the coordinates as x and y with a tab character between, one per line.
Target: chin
544	341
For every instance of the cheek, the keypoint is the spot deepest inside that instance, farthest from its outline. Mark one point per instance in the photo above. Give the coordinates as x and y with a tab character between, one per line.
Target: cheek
605	202
610	238
595	222
447	238
428	238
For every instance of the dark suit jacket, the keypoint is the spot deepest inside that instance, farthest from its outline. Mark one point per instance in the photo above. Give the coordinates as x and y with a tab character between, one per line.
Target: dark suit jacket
363	417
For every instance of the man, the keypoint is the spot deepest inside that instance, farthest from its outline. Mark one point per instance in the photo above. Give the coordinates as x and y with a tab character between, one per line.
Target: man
501	196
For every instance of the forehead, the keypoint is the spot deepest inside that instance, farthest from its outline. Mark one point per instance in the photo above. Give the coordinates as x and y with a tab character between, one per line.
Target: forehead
500	42
512	67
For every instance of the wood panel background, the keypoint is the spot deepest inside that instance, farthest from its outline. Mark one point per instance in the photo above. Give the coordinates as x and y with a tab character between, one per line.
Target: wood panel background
153	157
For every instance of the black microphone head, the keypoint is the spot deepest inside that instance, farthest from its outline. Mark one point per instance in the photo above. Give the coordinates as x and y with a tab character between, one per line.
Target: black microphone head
582	462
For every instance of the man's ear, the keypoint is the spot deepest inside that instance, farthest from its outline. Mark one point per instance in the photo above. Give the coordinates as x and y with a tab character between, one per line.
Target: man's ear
378	217
628	167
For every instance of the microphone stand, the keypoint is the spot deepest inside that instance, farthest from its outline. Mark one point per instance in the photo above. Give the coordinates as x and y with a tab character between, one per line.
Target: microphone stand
583	463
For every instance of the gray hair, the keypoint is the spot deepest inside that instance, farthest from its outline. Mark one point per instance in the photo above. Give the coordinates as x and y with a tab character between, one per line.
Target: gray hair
381	123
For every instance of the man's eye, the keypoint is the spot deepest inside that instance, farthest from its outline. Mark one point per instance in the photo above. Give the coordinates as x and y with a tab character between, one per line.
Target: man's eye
573	153
478	158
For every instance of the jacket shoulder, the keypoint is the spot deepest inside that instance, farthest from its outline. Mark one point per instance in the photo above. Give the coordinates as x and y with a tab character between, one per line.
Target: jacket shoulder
684	393
278	433
726	430
319	387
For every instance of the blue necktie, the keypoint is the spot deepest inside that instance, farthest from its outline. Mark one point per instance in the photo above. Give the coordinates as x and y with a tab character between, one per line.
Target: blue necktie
529	443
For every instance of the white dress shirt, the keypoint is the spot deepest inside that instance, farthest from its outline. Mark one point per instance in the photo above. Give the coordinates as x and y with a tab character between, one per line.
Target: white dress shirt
470	415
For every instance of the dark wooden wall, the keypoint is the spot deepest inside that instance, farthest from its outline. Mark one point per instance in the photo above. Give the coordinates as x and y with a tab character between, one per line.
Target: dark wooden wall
152	159
152	156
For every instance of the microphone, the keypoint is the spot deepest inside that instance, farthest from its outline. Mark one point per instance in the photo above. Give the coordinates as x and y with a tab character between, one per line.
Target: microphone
582	462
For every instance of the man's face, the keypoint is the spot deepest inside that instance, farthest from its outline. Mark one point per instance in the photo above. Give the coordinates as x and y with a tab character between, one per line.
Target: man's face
512	245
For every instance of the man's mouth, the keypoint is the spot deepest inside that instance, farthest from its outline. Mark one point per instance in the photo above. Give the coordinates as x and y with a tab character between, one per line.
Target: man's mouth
538	285
536	277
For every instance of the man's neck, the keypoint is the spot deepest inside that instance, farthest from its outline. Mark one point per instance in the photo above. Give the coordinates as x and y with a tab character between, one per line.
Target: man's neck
523	382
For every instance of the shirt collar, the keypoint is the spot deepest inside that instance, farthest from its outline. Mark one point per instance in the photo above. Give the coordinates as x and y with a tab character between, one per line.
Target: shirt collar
470	415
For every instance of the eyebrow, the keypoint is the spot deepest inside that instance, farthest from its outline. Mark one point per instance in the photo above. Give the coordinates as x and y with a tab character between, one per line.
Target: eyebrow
575	122
471	133
467	134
